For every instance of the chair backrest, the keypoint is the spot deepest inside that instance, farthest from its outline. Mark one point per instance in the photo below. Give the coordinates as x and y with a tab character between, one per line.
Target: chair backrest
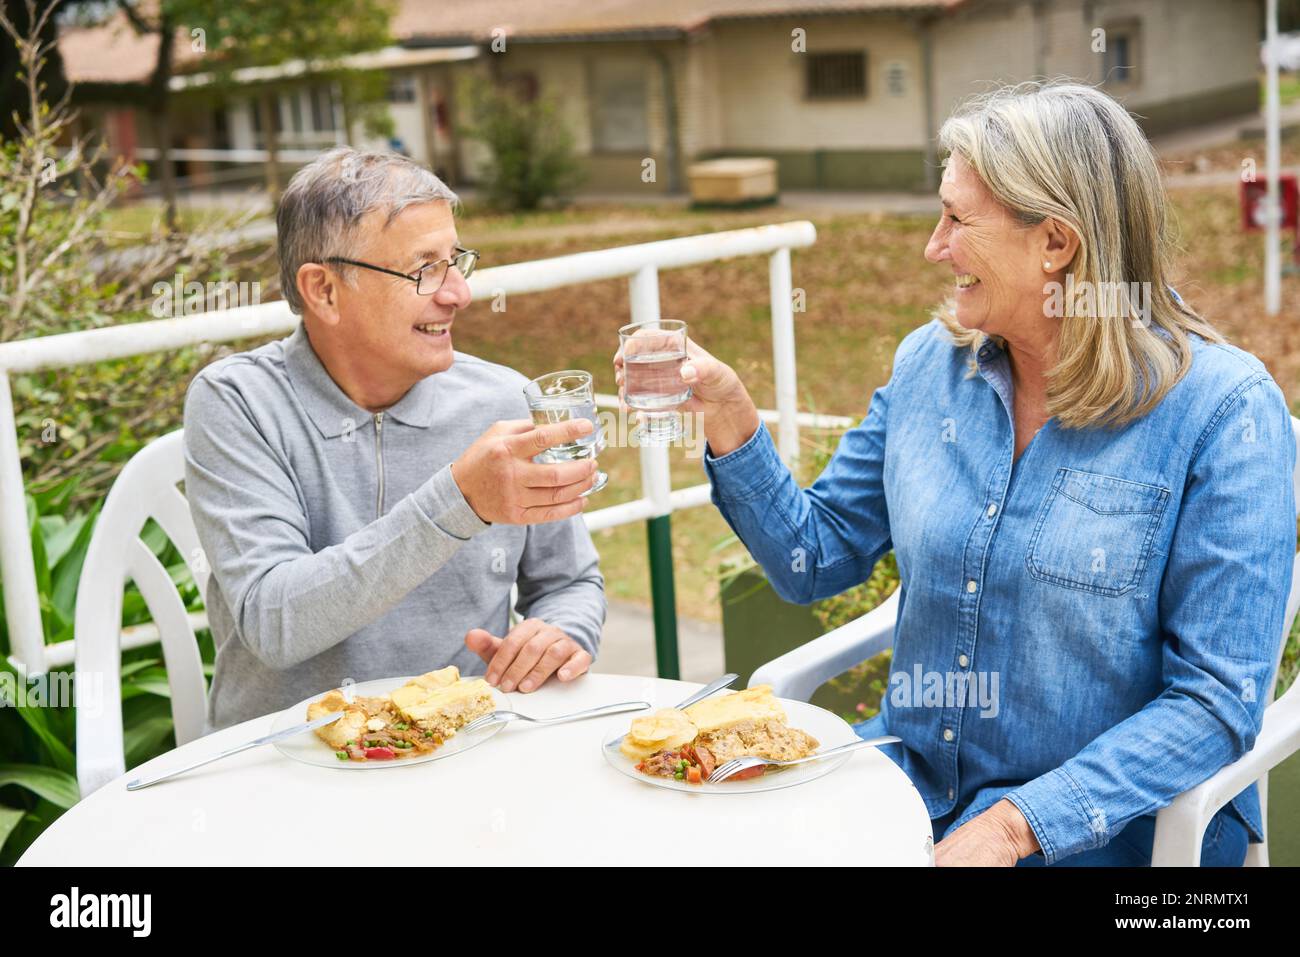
146	488
1293	599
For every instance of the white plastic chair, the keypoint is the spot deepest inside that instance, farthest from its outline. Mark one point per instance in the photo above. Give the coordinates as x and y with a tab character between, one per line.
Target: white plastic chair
146	488
1180	826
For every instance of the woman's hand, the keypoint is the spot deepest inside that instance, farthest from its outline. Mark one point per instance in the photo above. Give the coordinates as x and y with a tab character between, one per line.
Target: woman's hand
997	838
718	396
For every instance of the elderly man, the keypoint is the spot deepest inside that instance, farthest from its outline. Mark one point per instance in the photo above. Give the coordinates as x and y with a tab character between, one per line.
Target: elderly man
366	496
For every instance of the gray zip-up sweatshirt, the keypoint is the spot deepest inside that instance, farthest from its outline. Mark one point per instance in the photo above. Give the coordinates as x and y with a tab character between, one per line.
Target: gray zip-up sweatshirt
339	543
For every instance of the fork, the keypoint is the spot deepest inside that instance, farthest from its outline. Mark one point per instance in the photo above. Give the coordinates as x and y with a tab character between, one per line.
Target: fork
736	765
504	717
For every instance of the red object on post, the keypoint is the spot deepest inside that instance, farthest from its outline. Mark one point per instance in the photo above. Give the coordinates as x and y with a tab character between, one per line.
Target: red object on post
1253	196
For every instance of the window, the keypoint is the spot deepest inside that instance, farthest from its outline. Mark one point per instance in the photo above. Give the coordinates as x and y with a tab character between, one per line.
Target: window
1120	60
896	78
322	108
295	110
618	97
401	88
220	129
255	107
834	76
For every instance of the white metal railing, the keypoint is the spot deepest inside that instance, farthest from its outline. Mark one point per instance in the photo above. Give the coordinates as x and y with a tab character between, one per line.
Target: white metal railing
641	263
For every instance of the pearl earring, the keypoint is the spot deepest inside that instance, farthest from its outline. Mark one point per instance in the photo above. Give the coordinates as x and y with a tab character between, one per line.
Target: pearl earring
1047	265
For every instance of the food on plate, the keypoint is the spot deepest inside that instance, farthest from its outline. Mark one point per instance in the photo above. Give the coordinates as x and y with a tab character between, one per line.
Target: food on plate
412	720
687	745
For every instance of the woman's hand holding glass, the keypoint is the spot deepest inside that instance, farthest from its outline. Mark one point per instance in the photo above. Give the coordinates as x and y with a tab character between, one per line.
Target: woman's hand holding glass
729	415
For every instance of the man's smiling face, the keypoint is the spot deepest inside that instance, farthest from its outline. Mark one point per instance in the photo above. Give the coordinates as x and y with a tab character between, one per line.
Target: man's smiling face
387	322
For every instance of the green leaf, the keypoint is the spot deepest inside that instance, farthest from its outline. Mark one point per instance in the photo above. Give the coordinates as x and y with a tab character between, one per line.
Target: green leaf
57	537
58	787
55	497
67	573
180	574
153	536
39	721
131	667
145	738
9	818
134	610
149	681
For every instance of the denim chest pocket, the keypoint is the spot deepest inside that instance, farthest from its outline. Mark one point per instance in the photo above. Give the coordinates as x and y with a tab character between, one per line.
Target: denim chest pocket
1095	532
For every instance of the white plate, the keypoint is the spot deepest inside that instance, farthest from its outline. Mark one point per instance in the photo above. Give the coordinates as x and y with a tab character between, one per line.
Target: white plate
310	749
830	730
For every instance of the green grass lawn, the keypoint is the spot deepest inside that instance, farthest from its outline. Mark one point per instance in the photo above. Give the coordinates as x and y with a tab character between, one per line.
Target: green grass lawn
1288	88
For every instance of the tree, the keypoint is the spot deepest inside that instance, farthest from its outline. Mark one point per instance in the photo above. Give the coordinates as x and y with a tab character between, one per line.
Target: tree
60	273
247	33
158	94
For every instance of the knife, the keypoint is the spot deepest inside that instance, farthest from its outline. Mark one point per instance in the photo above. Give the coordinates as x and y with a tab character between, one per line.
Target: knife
306	726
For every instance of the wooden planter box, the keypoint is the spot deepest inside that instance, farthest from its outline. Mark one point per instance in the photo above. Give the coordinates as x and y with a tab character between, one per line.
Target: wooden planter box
758	625
733	182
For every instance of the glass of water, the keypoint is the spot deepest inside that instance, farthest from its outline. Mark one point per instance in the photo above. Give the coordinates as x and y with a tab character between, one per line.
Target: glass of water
559	397
653	353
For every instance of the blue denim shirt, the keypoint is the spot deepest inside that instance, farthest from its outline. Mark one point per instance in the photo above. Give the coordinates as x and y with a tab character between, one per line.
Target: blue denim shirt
1088	631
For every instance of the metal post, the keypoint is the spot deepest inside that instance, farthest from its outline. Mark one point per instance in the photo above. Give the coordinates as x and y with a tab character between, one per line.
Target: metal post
656	485
1272	230
787	399
659	538
22	605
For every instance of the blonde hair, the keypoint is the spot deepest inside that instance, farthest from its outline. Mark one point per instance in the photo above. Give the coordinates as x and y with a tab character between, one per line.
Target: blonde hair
1069	151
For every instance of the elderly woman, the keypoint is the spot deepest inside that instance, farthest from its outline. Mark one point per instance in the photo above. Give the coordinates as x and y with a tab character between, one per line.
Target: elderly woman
1091	508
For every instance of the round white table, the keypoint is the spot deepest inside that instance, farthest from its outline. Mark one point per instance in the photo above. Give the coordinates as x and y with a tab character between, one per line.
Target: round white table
529	795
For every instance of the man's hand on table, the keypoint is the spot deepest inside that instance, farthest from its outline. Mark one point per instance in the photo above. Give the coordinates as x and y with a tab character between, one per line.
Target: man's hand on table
997	838
528	655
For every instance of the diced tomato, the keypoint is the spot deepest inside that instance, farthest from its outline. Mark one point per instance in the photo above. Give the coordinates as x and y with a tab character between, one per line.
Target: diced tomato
694	775
380	753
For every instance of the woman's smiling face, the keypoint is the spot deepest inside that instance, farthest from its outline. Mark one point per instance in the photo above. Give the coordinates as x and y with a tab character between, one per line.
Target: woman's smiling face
997	264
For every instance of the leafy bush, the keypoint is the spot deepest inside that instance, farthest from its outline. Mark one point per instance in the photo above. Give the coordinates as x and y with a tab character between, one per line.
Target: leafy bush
531	149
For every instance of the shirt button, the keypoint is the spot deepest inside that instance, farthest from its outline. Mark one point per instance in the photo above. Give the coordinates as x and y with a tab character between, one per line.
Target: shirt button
993	510
970	585
951	794
947	734
963	660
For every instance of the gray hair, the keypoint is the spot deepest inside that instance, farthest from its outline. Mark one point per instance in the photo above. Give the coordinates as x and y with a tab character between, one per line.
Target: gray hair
325	201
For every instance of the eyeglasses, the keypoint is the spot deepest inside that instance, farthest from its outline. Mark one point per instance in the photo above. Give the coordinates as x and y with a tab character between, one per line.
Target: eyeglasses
428	278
